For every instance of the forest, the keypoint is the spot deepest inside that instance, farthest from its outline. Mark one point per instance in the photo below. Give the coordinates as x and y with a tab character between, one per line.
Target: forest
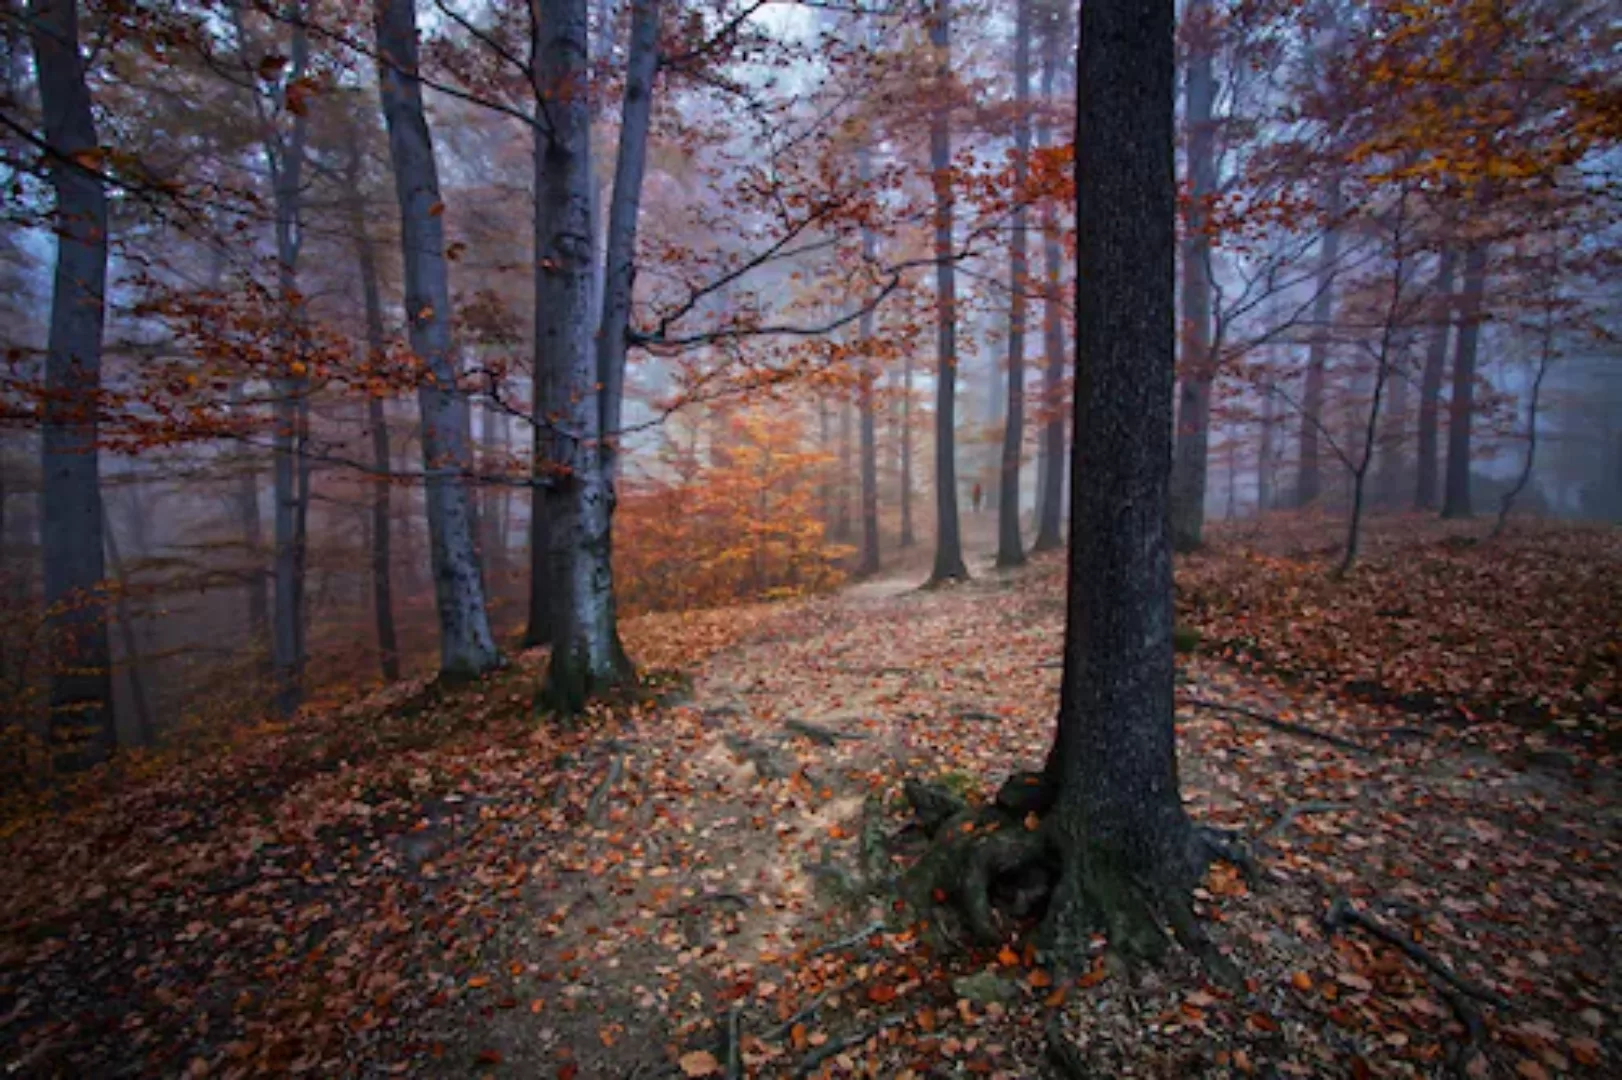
810	538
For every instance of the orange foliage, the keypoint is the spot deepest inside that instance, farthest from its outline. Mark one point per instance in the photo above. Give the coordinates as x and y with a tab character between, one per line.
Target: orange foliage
743	525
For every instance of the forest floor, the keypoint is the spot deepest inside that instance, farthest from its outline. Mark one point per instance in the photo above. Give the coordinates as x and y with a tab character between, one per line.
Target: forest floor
434	884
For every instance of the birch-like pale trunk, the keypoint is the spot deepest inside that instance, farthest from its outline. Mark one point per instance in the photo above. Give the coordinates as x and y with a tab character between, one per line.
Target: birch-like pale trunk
466	646
1191	466
948	540
71	516
1010	547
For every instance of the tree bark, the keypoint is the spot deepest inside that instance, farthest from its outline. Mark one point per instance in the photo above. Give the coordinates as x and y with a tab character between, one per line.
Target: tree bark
145	731
587	657
1125	842
1010	547
948	541
869	561
71	516
1430	387
1462	407
1309	480
1052	477
1191	466
466	645
388	647
908	536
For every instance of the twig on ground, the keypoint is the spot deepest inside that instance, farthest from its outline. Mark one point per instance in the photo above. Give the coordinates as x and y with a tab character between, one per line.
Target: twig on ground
1286	819
840	1045
734	1053
820	735
599	800
847	942
1286	726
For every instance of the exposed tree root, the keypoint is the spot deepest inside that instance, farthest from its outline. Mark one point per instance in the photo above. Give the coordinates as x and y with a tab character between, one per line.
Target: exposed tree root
1342	914
1063	1054
820	735
988	868
599	799
1286	819
1285	726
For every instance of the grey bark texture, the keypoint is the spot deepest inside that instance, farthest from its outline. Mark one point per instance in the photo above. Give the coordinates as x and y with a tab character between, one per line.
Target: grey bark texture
1309	476
1119	820
1050	501
1191	463
466	646
1462	406
381	554
578	387
948	540
1010	547
868	563
1430	388
81	725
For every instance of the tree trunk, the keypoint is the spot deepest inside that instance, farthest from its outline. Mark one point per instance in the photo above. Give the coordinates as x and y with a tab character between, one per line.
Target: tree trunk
247	500
466	646
145	732
1309	480
842	522
1264	454
1430	387
284	161
948	542
1123	837
388	647
1010	547
587	657
1052	478
908	536
869	562
1461	410
1191	466
71	529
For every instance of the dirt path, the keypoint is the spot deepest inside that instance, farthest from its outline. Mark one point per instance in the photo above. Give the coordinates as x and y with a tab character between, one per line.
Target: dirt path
735	836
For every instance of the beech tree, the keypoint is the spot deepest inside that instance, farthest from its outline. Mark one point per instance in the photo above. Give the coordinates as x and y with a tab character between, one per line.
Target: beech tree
466	645
1010	548
949	565
71	527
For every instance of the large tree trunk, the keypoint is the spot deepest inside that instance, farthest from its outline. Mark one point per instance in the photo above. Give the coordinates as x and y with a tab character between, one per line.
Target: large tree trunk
1309	480
1189	473
388	647
948	541
1010	548
466	646
1125	842
1462	407
254	580
71	530
1052	474
1430	386
582	389
145	731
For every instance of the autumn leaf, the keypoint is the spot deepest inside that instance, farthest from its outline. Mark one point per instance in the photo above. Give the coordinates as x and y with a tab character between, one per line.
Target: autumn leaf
699	1063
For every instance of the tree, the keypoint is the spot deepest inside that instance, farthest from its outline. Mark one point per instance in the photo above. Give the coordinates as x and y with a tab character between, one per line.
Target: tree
1430	386
71	528
283	121
466	646
1194	411
948	540
1127	847
1055	31
388	648
1010	549
1461	406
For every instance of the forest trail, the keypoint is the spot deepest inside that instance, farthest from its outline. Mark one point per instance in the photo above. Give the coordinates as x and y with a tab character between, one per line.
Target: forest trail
744	826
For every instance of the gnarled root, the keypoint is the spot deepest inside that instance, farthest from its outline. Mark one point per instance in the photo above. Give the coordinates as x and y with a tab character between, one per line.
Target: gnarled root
988	867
